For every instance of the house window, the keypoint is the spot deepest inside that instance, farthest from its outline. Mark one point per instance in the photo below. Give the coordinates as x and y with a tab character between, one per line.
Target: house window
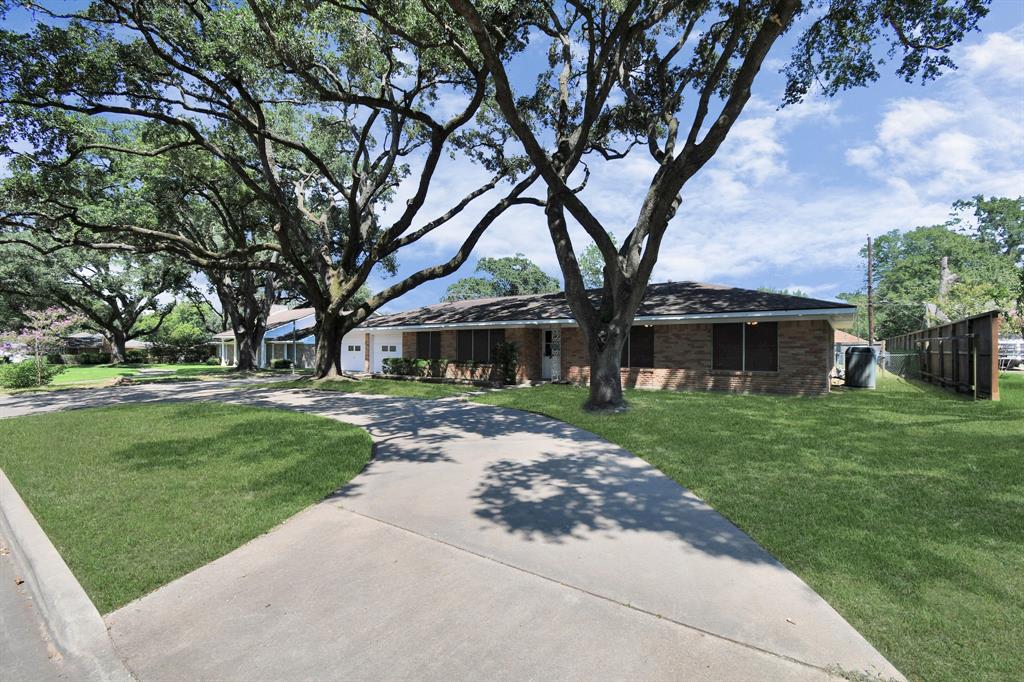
638	351
477	345
428	345
354	349
745	346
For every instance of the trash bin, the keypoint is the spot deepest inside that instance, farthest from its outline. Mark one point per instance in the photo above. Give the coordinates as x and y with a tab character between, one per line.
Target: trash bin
860	367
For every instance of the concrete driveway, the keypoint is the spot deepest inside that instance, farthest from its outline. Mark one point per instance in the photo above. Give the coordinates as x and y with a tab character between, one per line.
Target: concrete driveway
480	543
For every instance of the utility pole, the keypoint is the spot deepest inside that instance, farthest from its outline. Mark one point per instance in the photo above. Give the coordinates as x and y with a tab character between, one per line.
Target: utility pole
871	307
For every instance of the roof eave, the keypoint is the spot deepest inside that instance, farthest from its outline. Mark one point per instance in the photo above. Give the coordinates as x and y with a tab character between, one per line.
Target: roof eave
840	318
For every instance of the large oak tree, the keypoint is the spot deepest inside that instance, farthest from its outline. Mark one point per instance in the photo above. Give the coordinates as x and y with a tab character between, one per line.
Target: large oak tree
327	112
670	78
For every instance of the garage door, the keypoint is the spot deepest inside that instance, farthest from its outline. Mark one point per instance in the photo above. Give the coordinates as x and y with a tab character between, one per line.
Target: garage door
384	346
353	352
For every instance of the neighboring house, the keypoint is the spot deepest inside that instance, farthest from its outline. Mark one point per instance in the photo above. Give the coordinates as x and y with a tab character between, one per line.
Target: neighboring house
289	336
686	335
844	340
85	342
90	342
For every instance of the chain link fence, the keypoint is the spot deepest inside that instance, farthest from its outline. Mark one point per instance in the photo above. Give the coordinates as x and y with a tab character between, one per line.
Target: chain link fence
901	363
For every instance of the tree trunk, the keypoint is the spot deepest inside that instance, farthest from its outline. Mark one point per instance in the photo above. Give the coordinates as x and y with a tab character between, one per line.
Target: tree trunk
605	378
118	353
247	344
328	347
246	310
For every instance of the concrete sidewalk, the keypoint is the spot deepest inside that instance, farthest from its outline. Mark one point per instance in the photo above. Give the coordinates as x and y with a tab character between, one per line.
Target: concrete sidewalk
481	542
25	651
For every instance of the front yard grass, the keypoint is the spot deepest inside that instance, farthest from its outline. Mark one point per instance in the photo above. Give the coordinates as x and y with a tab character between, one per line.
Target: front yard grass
903	507
88	374
136	496
392	387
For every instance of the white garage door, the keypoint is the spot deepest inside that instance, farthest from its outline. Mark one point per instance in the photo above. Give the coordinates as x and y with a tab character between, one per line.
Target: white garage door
384	346
352	352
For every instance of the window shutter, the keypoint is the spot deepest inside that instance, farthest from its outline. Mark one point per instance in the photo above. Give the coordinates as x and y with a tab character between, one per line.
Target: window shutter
727	346
763	347
641	347
464	345
480	343
497	336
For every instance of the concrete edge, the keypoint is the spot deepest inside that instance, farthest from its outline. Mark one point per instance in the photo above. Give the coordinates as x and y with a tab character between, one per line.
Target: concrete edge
74	624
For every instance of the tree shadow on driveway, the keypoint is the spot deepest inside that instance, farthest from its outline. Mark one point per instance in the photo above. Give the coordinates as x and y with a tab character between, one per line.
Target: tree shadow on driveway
557	497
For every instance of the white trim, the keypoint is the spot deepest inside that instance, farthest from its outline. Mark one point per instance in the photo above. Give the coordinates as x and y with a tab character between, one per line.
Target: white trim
809	314
289	327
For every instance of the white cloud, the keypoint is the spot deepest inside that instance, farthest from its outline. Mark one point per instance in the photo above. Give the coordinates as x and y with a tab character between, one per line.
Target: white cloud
1000	55
969	140
768	210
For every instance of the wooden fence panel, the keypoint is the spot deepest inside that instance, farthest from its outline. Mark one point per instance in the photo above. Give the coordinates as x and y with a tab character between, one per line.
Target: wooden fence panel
960	356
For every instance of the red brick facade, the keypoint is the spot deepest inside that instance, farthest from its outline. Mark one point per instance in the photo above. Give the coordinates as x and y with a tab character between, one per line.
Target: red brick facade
527	341
682	360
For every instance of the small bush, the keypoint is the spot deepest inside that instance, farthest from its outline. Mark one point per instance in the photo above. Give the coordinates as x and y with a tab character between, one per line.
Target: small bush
135	357
90	358
280	363
399	366
28	373
506	358
213	360
416	367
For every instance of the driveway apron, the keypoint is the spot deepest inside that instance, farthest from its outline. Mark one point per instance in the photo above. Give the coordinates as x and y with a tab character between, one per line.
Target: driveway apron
480	542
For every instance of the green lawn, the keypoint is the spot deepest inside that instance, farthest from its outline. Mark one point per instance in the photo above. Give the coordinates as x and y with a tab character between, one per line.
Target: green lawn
135	496
903	507
392	387
82	374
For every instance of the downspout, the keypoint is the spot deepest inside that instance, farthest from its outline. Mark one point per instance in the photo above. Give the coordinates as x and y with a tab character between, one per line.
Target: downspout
295	358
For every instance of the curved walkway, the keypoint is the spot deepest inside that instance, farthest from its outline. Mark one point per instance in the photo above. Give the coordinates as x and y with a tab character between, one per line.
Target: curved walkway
480	542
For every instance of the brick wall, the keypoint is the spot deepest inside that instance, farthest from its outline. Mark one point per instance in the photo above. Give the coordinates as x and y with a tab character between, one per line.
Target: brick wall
526	339
409	345
682	360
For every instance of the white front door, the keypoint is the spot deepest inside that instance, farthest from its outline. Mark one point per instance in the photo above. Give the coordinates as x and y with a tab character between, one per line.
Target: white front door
353	352
546	354
384	346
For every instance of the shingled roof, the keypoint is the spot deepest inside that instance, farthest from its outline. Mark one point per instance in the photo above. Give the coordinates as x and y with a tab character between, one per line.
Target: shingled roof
275	320
669	299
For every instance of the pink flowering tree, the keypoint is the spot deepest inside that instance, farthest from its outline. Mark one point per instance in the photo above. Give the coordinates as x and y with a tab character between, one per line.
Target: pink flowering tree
45	333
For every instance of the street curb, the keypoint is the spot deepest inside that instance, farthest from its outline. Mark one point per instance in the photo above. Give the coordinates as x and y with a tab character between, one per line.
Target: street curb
74	624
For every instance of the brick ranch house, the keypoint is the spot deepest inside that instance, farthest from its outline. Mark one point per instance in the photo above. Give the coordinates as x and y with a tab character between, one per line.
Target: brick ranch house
686	335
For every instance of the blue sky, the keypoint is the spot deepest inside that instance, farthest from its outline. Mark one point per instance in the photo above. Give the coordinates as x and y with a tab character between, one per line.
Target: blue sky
790	197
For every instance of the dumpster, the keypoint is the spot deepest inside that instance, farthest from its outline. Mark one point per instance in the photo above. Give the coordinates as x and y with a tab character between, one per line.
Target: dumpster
860	367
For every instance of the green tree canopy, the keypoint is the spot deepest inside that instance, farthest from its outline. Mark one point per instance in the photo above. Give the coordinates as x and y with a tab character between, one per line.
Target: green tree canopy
913	290
999	221
670	78
508	276
786	292
592	264
184	334
321	110
112	291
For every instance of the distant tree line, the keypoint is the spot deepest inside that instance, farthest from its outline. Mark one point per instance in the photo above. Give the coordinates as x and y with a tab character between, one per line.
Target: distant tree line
934	274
